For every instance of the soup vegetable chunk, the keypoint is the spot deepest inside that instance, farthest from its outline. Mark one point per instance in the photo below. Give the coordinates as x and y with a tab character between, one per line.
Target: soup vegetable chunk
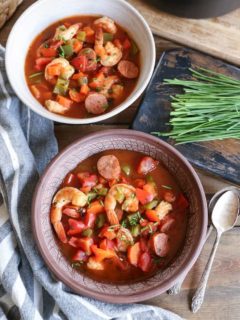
82	66
119	216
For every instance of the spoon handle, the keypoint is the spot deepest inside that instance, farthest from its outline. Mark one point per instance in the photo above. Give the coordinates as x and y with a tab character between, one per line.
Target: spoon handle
176	288
198	297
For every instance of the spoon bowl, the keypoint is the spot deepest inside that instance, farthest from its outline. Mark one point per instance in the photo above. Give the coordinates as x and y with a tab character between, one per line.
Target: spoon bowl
225	211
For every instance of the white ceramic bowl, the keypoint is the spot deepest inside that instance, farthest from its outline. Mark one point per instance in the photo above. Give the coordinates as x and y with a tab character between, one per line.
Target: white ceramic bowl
45	12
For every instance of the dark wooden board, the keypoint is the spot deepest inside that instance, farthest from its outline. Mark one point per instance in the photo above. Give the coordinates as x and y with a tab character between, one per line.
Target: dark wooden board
217	157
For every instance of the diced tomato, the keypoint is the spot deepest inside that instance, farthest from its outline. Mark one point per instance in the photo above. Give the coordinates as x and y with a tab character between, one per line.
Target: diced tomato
112	182
76	227
40	63
152	215
102	180
108	233
139	183
107	244
101	254
123	179
169	196
80	256
64	101
89	181
182	203
126	44
151	188
134	253
145	261
70	180
80	63
144	245
143	196
143	222
48	52
90	219
95	207
146	165
76	96
83	243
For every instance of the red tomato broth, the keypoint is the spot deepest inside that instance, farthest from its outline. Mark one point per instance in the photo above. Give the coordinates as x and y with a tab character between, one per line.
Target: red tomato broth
77	110
113	273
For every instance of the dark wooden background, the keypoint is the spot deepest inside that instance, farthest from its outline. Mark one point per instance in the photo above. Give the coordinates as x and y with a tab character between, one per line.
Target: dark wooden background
222	300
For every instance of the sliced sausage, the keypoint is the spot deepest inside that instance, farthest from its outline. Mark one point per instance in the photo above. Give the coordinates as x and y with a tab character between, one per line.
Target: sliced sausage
91	56
159	244
128	69
96	103
109	167
167	225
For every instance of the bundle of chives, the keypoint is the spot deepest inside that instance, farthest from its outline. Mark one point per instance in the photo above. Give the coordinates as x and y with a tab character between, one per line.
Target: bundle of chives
209	108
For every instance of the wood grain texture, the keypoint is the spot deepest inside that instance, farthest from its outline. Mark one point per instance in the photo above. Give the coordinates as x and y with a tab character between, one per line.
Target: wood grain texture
217	36
223	297
221	158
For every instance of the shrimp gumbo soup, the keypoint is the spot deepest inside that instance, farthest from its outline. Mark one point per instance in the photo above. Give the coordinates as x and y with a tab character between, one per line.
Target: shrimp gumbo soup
119	217
82	66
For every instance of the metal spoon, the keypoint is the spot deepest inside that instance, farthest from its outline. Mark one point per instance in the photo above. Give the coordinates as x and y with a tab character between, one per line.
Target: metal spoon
176	288
224	217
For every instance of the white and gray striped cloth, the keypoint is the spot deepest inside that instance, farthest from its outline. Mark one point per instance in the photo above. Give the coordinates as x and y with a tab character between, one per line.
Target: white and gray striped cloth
27	289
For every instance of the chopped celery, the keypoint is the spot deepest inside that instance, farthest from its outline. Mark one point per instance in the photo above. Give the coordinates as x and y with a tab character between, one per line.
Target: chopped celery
100	220
134	218
149	178
151	204
102	191
91	196
134	48
34	75
136	230
107	37
68	50
81	36
61	86
87	233
126	169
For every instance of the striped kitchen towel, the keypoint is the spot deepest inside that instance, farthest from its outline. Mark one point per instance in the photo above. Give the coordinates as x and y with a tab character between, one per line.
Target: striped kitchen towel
27	289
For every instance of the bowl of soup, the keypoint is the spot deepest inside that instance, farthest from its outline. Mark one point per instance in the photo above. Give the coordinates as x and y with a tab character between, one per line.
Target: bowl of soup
83	63
119	216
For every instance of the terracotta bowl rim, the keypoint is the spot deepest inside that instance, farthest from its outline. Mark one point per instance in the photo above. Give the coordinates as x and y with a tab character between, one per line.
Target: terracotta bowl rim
138	296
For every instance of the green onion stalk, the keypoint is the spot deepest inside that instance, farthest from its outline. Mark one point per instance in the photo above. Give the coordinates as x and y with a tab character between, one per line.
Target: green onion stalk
208	109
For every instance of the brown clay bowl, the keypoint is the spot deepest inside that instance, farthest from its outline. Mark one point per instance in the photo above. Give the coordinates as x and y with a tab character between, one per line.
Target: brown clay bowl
68	160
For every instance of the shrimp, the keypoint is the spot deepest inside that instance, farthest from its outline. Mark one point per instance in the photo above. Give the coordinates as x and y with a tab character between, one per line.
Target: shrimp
109	54
107	24
112	55
65	34
123	194
63	69
54	106
107	85
163	209
63	197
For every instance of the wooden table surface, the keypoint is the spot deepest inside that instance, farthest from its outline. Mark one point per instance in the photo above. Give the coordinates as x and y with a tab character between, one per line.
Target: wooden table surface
222	300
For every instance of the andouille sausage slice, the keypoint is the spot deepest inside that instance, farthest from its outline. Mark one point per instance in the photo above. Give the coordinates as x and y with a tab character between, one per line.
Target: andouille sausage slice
109	167
128	69
159	244
96	103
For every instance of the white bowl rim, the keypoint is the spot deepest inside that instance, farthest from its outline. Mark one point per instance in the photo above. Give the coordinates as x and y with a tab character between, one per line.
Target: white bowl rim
68	120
